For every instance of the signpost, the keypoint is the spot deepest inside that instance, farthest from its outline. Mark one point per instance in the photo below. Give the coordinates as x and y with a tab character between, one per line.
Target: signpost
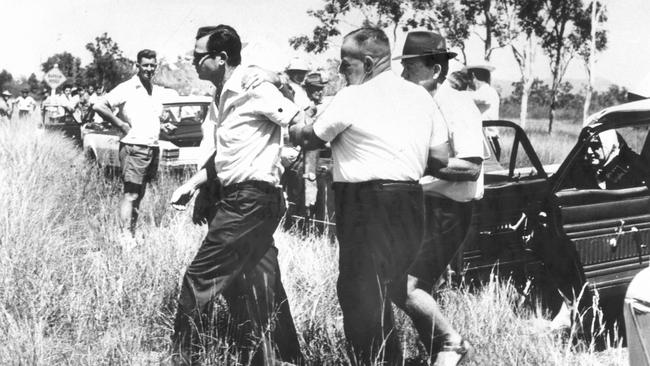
54	78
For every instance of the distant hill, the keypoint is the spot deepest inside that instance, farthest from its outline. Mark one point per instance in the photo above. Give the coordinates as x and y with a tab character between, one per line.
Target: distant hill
505	87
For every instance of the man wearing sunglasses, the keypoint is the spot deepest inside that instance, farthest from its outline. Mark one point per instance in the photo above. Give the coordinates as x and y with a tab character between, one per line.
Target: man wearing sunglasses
238	258
139	107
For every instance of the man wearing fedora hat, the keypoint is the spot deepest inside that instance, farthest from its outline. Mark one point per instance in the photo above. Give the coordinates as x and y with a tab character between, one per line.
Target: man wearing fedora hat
381	130
452	188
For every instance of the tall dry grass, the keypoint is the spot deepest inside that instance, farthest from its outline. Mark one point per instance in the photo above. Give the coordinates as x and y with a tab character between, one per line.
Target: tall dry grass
73	293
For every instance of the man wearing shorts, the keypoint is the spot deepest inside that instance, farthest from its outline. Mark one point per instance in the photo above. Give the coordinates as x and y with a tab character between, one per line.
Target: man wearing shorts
138	117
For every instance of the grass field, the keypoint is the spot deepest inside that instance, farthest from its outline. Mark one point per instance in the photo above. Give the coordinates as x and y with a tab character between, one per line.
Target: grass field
72	293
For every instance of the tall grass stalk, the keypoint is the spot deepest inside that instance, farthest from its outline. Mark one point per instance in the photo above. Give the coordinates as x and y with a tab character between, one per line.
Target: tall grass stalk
73	293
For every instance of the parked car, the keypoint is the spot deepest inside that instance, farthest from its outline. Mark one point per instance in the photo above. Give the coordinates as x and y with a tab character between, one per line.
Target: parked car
65	123
179	148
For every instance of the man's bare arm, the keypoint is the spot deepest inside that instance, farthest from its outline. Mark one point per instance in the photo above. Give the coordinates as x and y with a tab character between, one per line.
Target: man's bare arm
104	110
302	133
184	193
456	169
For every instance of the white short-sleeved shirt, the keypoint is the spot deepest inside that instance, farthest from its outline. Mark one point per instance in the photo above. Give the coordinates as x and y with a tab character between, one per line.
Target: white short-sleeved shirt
141	110
463	120
25	104
487	100
248	136
382	129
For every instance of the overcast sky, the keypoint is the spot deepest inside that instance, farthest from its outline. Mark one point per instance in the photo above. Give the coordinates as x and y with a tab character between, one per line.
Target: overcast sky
33	30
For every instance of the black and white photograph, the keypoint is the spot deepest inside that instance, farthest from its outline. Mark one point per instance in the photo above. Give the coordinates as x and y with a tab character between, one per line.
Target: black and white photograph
325	182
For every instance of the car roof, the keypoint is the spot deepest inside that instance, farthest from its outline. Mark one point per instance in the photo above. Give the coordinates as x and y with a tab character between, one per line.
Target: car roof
622	114
186	99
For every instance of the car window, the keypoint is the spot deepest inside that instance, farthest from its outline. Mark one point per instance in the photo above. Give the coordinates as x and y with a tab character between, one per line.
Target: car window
184	114
508	157
613	159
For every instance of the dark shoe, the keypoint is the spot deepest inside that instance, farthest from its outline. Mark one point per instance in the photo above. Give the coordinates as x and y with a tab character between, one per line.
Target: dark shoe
452	354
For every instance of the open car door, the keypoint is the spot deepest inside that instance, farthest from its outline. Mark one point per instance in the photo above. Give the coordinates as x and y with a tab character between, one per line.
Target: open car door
515	183
600	206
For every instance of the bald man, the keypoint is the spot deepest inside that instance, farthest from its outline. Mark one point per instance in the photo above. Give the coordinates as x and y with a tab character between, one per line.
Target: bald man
382	130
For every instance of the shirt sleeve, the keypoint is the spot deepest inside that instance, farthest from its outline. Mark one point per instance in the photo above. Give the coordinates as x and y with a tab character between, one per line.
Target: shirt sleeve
116	97
439	132
467	130
335	118
272	104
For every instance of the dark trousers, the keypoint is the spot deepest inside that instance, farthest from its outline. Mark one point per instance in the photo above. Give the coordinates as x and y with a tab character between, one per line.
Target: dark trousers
238	259
379	228
448	224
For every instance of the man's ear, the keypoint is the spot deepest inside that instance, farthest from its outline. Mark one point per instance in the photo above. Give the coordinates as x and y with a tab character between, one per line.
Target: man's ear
368	64
224	57
437	69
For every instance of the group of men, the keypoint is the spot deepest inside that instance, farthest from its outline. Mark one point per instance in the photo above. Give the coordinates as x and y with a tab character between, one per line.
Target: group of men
24	104
73	103
394	141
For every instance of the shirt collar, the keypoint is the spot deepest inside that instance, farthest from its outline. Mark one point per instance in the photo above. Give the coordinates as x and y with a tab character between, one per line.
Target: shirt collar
234	82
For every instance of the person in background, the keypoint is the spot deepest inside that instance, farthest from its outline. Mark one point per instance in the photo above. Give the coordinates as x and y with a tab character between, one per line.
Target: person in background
5	106
296	72
486	98
25	104
139	106
452	190
70	103
318	197
294	178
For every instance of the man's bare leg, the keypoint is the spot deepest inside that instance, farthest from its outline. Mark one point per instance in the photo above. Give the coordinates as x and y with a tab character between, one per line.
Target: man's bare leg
128	211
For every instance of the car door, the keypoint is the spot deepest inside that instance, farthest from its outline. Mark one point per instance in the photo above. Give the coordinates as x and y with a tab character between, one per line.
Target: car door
515	182
187	118
600	208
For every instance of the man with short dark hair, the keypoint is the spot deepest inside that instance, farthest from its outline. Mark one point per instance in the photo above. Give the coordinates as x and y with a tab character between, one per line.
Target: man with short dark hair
382	130
139	104
452	189
238	258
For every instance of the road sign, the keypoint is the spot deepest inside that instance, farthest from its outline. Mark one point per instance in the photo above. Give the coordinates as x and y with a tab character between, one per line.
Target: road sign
54	78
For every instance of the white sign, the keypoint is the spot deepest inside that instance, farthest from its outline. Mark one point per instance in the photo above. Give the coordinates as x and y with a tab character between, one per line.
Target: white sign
54	78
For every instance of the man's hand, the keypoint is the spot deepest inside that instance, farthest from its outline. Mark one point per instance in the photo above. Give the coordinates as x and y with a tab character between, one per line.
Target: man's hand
181	196
168	127
256	76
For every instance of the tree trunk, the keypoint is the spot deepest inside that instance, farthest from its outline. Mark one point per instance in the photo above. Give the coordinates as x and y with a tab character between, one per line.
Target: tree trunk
525	93
551	110
591	62
587	105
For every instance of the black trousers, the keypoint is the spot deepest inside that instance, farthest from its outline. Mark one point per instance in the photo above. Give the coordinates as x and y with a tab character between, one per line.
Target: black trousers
379	228
238	260
448	225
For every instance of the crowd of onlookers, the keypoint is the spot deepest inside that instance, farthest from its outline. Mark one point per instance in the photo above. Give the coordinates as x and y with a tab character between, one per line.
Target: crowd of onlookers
72	102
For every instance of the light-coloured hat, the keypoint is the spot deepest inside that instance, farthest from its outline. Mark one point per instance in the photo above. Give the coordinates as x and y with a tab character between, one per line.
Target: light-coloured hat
298	64
6	93
486	67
